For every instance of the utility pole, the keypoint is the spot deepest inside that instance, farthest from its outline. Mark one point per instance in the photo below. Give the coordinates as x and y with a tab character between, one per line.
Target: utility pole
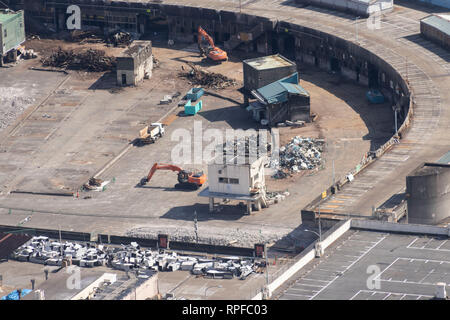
320	225
356	28
196	226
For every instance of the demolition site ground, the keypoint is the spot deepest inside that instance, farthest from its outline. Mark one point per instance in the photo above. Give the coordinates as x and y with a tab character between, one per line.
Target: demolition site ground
59	129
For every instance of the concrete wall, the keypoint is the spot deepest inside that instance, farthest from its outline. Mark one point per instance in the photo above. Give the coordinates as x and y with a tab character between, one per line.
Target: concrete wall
307	256
428	195
435	35
142	70
398	227
247	175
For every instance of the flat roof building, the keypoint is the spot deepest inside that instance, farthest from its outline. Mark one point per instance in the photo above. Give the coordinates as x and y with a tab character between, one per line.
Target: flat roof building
135	63
262	71
436	28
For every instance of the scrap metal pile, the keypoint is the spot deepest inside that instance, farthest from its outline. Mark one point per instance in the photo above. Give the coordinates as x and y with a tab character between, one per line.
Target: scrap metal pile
120	39
299	154
85	36
89	60
45	251
246	145
196	76
117	38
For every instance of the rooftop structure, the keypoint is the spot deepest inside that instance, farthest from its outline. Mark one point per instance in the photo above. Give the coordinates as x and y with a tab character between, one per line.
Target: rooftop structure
262	71
282	100
436	28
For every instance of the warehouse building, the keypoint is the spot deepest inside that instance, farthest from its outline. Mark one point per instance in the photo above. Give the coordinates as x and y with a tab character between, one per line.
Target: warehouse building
364	8
281	100
135	63
436	28
12	34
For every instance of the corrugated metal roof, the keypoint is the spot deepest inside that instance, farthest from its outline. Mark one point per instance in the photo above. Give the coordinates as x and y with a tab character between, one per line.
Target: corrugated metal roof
279	91
440	22
7	15
445	159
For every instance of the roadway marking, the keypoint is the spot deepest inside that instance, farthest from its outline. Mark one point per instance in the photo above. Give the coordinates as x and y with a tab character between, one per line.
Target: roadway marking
346	268
389	294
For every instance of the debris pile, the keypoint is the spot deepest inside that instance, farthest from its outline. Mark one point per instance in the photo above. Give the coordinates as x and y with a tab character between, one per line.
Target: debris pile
42	250
89	60
299	154
253	145
120	39
276	196
93	184
85	36
196	76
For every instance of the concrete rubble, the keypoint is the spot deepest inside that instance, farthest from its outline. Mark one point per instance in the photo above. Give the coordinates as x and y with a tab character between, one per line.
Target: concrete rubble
46	251
299	154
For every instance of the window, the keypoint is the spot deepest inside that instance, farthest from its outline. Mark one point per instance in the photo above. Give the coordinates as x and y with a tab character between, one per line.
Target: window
234	181
6	33
223	180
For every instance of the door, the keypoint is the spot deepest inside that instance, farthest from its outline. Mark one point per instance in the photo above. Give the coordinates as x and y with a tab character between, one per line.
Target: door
124	79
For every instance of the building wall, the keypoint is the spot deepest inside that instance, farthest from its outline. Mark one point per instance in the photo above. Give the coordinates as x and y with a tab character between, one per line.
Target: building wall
255	79
428	197
134	68
435	35
248	176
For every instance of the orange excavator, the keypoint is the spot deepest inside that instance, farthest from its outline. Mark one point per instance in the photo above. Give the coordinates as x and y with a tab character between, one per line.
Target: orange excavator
212	52
186	179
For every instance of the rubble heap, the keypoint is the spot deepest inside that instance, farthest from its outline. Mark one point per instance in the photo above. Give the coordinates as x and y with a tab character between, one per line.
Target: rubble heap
196	76
246	145
89	60
42	250
120	39
85	36
299	154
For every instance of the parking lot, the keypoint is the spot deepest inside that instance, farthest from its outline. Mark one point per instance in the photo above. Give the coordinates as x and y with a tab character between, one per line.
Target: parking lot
371	265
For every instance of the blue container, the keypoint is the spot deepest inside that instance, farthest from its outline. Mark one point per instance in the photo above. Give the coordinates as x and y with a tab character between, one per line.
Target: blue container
192	109
375	96
194	94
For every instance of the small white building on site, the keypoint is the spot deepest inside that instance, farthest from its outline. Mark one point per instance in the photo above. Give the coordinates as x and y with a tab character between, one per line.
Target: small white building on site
135	63
236	178
232	177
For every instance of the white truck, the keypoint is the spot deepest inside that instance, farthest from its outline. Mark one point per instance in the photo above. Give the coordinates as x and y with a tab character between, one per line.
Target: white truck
151	133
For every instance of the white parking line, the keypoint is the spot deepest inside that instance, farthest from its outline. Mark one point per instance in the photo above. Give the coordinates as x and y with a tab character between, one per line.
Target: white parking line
388	294
359	258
